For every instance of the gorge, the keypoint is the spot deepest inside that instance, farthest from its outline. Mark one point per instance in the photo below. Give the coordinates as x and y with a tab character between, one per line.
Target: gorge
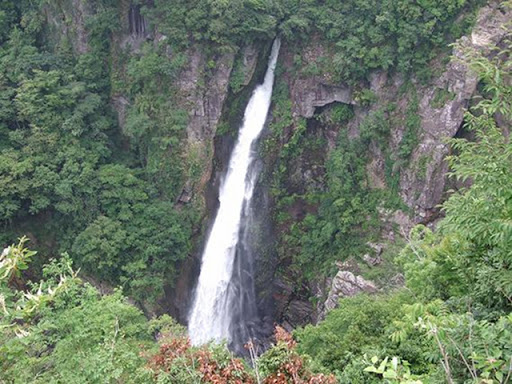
337	197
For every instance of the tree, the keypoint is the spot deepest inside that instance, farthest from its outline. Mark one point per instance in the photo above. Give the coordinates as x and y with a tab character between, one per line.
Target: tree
472	250
62	330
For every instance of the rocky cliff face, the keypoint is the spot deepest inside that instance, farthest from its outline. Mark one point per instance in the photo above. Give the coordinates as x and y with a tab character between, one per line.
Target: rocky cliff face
442	103
68	20
440	106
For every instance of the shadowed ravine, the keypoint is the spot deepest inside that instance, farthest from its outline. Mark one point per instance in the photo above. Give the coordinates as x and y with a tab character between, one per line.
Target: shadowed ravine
224	306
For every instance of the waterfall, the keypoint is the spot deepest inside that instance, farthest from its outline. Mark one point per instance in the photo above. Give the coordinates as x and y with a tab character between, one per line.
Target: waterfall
218	300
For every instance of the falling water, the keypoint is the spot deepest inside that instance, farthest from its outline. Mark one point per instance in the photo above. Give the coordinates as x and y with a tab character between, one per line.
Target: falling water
217	297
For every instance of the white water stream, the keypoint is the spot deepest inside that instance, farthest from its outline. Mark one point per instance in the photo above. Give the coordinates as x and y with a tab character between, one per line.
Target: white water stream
210	317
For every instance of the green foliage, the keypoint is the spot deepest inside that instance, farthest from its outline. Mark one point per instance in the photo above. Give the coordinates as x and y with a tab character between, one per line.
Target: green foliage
452	324
140	250
360	325
481	216
65	170
154	123
478	349
467	349
222	23
96	340
14	260
282	117
63	331
363	35
282	363
237	78
412	125
365	97
347	209
394	371
100	246
441	97
342	213
430	271
272	359
8	16
470	255
368	35
159	239
341	113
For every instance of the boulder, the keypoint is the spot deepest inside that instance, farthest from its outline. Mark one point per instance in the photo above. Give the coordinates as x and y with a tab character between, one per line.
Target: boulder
346	284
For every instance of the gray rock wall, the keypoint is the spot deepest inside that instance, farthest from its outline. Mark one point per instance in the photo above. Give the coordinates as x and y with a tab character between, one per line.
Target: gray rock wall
421	189
423	179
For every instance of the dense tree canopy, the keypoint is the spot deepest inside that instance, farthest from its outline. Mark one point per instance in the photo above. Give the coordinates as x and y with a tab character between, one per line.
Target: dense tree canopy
62	161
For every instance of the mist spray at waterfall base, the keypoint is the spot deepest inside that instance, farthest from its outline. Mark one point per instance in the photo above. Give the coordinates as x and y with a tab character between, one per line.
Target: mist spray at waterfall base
224	307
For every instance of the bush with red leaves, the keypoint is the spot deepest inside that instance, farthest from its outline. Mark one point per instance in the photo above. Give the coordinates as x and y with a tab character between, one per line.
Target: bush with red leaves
177	362
283	365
